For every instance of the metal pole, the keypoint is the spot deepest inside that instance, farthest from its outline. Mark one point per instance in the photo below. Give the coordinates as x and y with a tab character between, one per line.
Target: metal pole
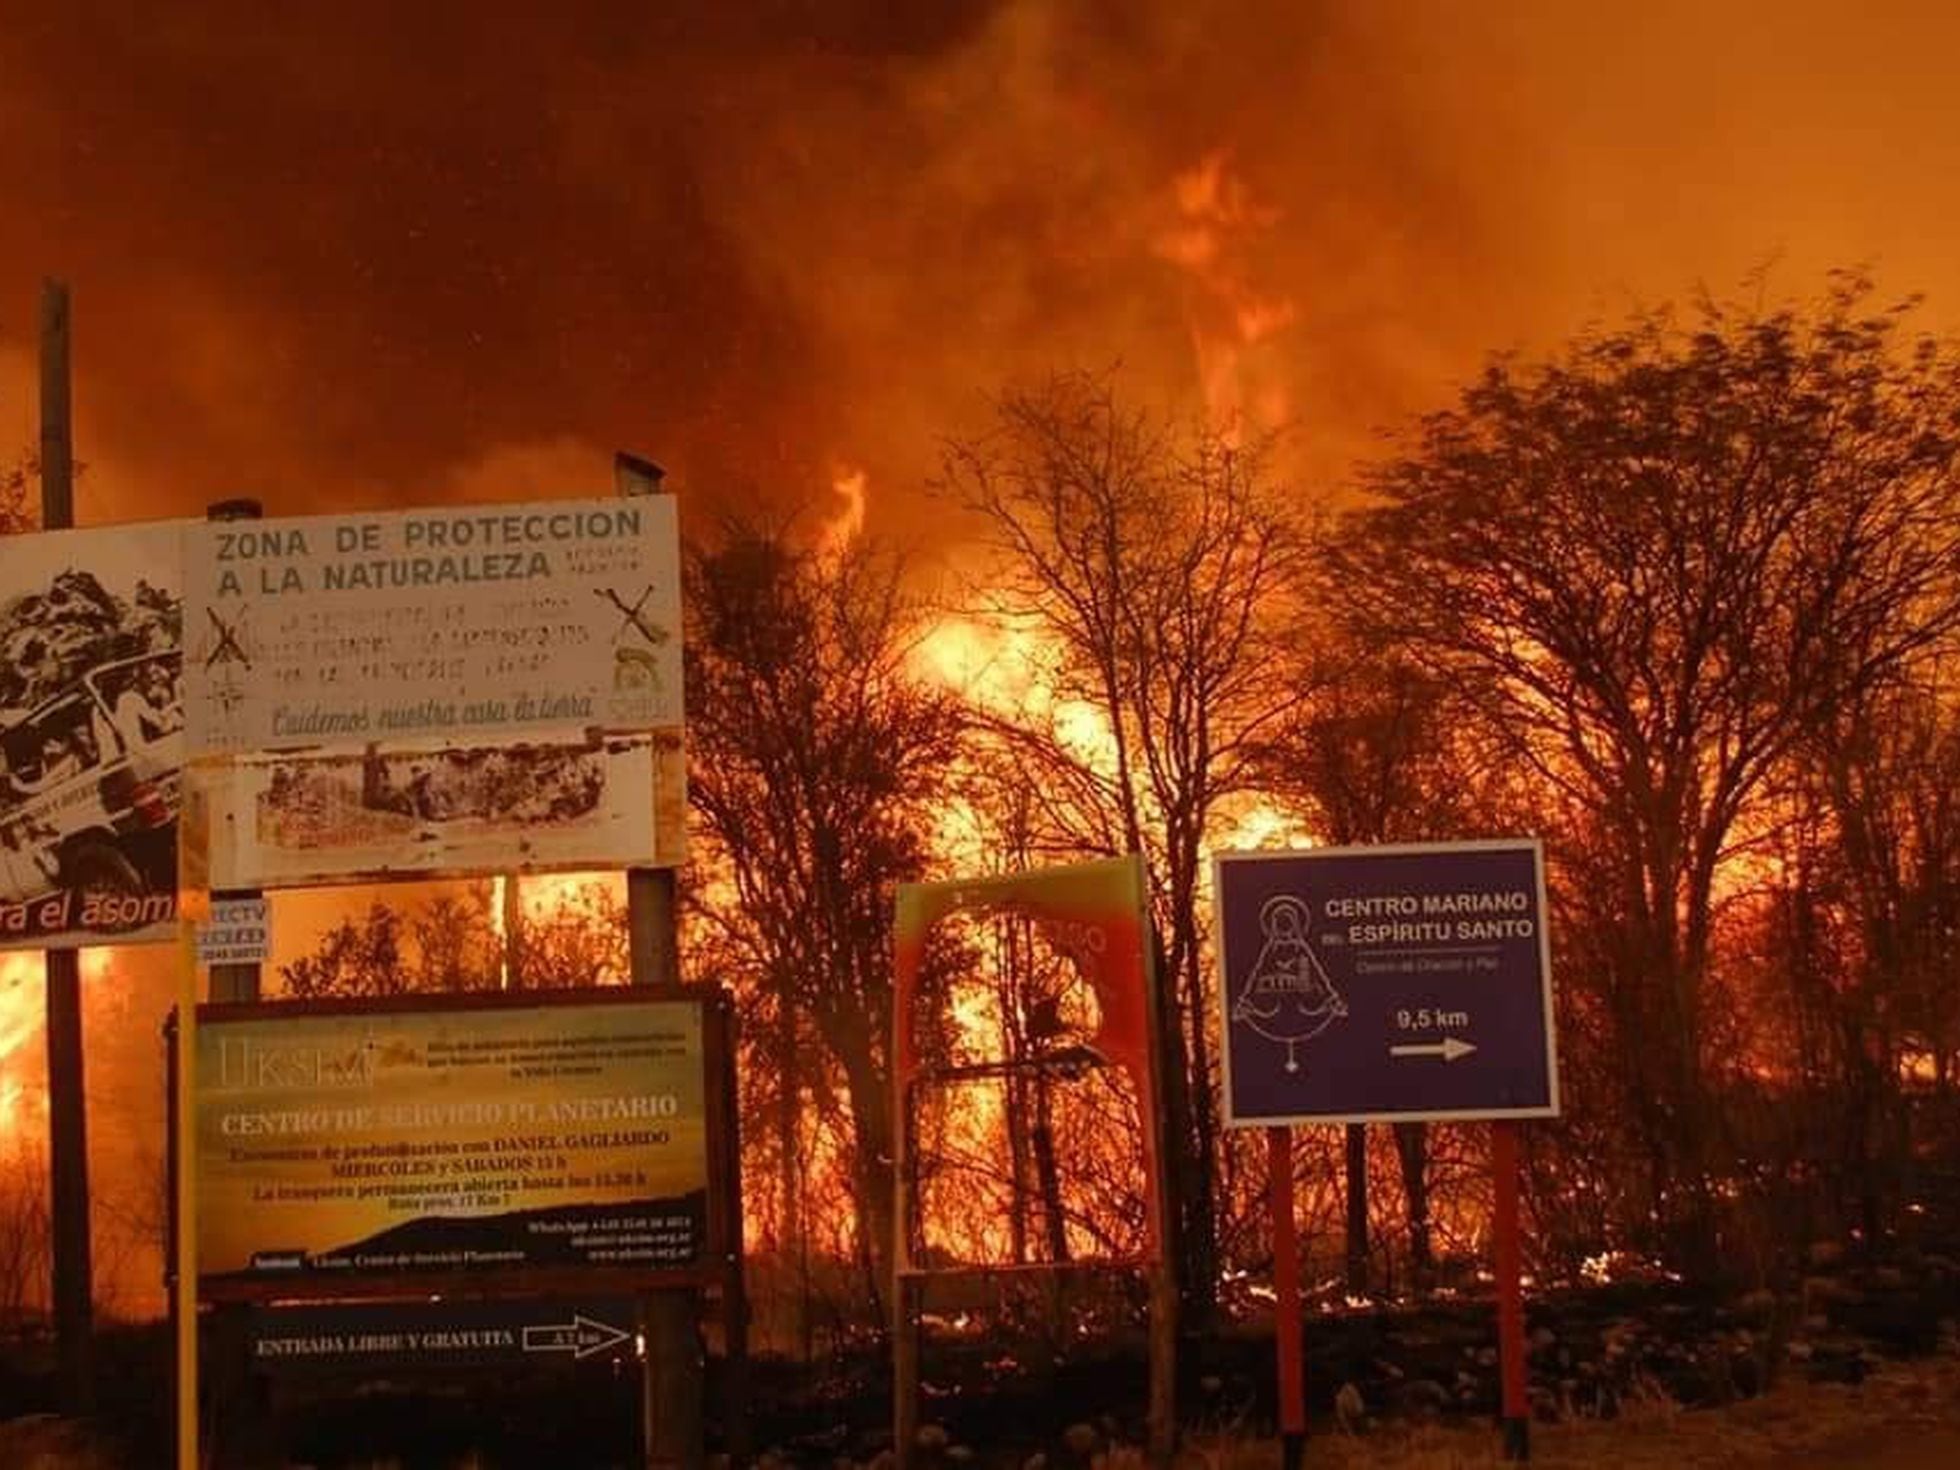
905	1288
1287	1330
735	1290
674	1372
67	1116
1161	1425
1510	1291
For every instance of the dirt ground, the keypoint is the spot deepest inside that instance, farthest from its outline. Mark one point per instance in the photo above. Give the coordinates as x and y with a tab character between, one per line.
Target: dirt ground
1904	1417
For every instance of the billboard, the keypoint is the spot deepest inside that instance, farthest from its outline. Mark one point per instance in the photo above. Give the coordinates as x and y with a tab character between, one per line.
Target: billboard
91	735
435	811
1092	914
354	1142
1387	983
469	625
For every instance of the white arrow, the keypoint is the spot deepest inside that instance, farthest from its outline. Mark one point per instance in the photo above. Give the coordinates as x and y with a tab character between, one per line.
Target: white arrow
1449	1049
581	1337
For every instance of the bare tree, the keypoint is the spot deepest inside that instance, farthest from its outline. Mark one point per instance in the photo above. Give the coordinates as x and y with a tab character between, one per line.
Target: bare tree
816	754
1864	942
1656	563
26	1238
1158	566
451	941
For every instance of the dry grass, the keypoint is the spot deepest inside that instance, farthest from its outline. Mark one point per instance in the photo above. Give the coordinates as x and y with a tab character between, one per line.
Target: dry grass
40	1442
1906	1416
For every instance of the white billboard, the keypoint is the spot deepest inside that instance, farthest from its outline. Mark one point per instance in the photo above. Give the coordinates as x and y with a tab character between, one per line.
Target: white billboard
473	624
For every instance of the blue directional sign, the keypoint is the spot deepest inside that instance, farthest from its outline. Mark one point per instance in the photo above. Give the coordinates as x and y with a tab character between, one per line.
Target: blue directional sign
1383	984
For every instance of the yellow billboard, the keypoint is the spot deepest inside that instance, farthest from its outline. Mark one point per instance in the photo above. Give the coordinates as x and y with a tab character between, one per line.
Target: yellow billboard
359	1140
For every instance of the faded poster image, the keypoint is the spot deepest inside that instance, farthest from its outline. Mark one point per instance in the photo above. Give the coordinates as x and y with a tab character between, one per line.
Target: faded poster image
91	735
601	801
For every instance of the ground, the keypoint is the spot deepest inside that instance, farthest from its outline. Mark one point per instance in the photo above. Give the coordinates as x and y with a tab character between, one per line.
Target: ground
1904	1417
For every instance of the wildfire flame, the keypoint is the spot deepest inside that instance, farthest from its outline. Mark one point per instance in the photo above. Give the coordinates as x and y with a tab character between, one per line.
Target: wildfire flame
1217	226
838	534
23	1089
20	1024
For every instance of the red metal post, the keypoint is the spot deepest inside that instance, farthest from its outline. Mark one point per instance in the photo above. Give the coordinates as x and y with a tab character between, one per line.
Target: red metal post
1286	1300
1510	1291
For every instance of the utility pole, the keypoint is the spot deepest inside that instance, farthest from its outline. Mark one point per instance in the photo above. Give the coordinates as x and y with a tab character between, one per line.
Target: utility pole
674	1432
67	1116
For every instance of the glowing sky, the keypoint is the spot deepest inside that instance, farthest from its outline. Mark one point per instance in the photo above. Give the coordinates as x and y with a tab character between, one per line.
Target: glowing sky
358	252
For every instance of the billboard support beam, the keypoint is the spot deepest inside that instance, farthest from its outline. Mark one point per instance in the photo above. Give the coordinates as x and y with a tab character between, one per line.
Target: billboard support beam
673	1370
74	1293
240	1434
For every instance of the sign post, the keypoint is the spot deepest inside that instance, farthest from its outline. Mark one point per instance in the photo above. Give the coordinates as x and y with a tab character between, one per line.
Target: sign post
1510	1291
674	1374
1287	1330
1395	984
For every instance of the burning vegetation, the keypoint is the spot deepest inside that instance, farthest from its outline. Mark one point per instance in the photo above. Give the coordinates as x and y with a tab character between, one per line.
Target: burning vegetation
1681	598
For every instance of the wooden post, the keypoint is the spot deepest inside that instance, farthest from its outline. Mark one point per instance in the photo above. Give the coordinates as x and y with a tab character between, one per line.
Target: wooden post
904	1287
74	1292
241	1434
1161	1418
671	1317
242	982
1510	1292
734	1291
512	915
1357	1209
1287	1329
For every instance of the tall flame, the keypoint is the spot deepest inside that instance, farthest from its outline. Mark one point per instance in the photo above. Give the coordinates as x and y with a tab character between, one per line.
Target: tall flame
1217	225
20	1023
839	533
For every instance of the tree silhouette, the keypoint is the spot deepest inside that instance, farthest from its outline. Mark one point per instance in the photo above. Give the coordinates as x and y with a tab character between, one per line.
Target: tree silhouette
1157	565
815	757
1655	564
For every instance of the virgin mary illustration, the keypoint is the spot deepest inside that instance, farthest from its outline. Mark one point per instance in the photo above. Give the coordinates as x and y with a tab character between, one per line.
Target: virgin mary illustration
1287	998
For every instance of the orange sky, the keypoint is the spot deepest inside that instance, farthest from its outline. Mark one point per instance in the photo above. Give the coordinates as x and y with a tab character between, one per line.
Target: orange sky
388	253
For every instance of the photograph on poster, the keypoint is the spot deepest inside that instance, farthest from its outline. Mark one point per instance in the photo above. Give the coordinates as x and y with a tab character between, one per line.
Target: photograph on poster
91	735
425	810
